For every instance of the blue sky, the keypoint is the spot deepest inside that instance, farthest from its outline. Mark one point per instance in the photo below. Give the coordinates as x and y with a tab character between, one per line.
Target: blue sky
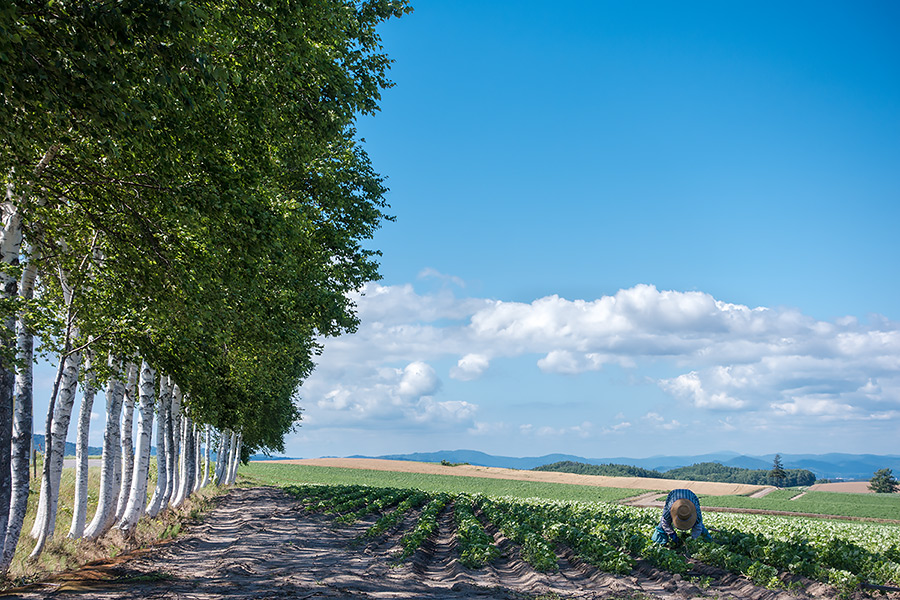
628	229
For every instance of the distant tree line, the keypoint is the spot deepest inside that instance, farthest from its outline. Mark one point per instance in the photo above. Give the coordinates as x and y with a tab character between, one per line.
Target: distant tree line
609	470
707	471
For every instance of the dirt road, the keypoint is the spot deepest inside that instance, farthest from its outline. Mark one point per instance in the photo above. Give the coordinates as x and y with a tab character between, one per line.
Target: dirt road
259	543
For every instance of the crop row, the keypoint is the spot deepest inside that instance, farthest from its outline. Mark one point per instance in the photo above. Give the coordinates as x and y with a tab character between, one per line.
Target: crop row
611	537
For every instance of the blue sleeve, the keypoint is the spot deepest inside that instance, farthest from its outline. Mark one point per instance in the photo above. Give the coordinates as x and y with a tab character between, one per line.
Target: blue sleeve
665	521
660	536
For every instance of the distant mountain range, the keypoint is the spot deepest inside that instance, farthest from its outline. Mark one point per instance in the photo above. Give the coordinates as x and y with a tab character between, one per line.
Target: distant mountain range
825	466
38	442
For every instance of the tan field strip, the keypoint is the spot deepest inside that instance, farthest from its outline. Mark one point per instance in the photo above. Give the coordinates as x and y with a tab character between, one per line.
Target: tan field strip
637	483
853	487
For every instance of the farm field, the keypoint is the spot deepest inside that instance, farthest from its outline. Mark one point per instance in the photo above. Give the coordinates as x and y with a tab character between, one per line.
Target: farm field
262	542
786	553
873	506
635	483
309	531
269	473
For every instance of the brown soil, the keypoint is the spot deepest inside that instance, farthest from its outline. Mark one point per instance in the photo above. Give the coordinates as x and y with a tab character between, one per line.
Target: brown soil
706	488
260	543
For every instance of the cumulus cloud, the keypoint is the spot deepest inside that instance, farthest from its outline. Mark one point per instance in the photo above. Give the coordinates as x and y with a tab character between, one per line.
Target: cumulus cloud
470	366
563	361
659	422
815	407
401	396
418	379
689	386
722	357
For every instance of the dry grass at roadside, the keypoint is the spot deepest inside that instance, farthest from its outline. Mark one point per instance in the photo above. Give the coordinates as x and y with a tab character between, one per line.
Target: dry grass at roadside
62	554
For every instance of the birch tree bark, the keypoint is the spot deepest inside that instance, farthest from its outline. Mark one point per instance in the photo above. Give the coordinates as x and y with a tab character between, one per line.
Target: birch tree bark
54	448
206	462
22	424
187	458
197	456
191	470
222	456
44	521
11	239
175	458
137	497
105	515
10	245
127	443
171	453
79	509
235	459
157	502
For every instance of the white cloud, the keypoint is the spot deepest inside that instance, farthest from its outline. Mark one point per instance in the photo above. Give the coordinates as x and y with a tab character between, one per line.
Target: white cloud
563	361
657	421
470	366
430	273
418	380
729	357
690	387
488	429
583	430
400	396
814	407
429	410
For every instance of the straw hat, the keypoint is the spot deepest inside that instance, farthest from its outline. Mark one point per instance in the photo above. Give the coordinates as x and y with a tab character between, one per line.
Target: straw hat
684	514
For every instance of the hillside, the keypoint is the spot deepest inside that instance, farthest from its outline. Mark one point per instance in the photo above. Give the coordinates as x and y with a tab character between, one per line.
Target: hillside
708	471
824	466
37	441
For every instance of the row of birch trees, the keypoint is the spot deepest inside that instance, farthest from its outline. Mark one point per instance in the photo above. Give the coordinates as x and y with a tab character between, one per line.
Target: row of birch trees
186	203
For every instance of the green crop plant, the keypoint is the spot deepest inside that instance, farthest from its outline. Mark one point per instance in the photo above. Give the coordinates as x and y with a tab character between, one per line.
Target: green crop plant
476	547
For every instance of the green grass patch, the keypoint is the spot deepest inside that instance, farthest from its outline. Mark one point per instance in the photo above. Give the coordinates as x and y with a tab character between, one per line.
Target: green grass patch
874	506
262	473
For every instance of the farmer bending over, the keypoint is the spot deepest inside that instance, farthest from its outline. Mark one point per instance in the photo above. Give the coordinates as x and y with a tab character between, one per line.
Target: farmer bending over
682	511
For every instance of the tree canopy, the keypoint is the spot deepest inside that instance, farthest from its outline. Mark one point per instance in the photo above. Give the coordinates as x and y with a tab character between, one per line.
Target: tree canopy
201	187
884	482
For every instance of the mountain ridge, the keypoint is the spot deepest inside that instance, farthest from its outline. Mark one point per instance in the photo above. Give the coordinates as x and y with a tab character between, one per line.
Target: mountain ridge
834	465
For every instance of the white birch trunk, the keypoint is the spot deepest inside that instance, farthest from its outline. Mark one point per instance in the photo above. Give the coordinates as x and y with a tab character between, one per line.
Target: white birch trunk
22	425
187	455
48	503
236	460
137	497
79	507
222	456
205	481
170	441
127	444
191	470
10	246
105	515
197	456
157	502
175	458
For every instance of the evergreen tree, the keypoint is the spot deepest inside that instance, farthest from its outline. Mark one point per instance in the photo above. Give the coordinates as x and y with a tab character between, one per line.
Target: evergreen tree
778	474
883	482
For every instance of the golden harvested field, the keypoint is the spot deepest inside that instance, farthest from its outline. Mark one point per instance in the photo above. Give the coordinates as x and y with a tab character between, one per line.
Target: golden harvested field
638	483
